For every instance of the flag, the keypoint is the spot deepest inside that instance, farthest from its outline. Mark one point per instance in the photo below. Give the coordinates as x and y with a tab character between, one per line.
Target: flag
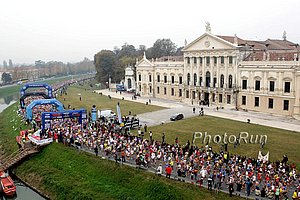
264	158
119	113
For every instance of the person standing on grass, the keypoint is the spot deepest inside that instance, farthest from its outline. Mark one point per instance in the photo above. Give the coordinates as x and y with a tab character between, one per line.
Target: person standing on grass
168	171
159	170
96	150
150	137
123	156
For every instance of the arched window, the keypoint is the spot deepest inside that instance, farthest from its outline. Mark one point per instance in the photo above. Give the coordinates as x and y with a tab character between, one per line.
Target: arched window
207	80
195	79
230	81
222	81
188	78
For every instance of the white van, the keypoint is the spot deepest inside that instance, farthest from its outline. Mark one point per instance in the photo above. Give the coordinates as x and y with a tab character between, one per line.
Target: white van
106	113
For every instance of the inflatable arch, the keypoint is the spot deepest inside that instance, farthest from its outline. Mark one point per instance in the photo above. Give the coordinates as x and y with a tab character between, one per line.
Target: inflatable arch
22	99
47	117
36	85
58	104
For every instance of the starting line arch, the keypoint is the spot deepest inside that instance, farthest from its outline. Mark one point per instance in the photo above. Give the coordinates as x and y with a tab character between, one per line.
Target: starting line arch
58	104
36	85
22	99
47	117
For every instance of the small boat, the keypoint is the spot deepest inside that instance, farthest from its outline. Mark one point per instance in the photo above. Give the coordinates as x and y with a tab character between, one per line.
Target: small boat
7	184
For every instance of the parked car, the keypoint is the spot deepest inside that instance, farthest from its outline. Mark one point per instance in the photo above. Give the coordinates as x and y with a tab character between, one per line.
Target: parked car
131	90
177	116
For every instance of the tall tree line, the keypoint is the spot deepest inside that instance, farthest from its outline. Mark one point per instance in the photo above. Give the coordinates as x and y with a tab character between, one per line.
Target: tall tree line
112	64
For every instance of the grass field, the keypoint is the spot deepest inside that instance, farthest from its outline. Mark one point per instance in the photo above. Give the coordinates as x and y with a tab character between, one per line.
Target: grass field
64	173
102	102
279	141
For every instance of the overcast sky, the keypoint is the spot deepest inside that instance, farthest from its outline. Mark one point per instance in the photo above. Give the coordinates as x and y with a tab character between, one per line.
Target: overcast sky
69	30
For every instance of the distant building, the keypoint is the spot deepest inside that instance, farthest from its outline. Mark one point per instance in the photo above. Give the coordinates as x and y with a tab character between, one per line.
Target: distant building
129	78
227	71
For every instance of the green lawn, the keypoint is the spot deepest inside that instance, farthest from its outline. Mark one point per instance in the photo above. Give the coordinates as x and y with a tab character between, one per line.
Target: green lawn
102	102
64	173
279	141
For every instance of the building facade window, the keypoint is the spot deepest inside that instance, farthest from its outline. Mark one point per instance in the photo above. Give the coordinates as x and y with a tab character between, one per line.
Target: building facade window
215	82
207	81
188	78
272	86
140	77
140	88
286	104
157	89
173	79
158	78
244	85
172	91
195	79
165	91
228	99
222	59
150	78
200	81
207	60
230	59
271	103
201	60
150	89
180	79
220	98
256	101
165	79
230	81
222	81
287	87
188	60
257	85
193	94
195	60
187	94
215	60
180	93
244	100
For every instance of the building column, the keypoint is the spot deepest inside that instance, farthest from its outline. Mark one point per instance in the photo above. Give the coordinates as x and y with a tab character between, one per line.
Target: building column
218	72
226	72
203	71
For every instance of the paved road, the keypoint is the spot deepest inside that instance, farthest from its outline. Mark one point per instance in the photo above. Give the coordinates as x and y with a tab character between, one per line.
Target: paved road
172	107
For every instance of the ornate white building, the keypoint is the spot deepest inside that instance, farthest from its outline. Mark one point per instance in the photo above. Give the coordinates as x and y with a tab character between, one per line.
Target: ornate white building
227	71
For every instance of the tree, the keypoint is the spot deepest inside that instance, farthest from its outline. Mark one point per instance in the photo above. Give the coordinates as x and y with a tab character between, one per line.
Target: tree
4	64
179	51
6	77
163	47
127	50
105	64
10	64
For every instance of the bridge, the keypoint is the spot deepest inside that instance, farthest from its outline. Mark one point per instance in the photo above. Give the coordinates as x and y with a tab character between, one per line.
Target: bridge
16	157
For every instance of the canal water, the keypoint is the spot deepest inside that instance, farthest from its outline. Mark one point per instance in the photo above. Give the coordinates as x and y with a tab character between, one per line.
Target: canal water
24	192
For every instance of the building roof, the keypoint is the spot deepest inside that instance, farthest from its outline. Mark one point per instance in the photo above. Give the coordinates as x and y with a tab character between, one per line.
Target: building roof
270	44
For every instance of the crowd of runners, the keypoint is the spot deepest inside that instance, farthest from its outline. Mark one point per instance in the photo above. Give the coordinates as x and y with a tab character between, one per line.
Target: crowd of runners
200	165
